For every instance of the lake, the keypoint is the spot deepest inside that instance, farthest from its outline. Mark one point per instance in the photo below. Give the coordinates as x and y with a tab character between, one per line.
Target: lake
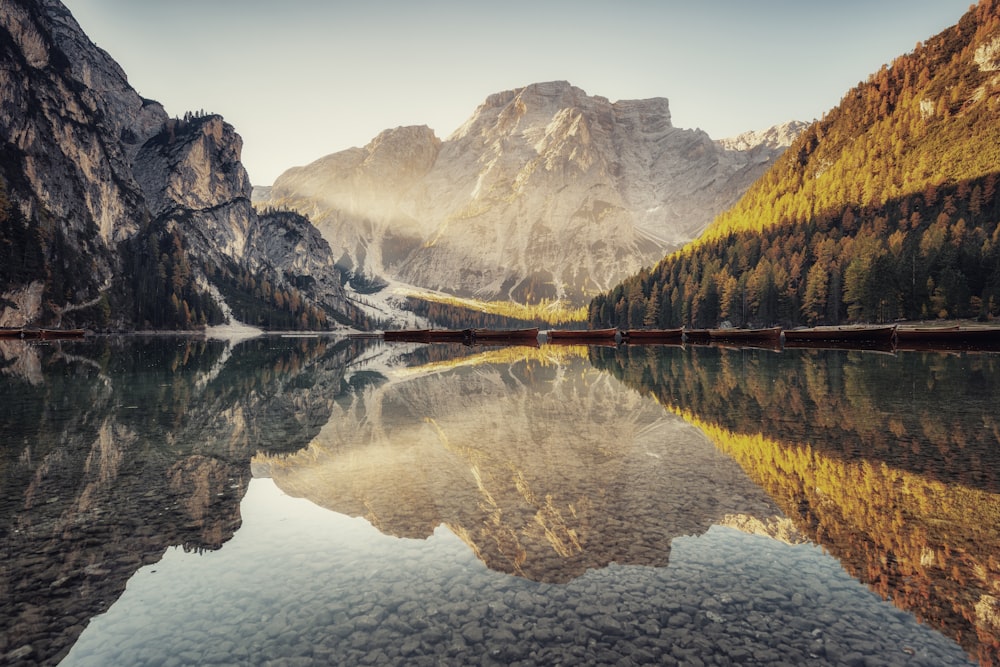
319	500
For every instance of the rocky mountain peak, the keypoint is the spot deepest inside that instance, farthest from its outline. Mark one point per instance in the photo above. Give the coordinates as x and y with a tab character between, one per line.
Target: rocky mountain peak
777	137
401	154
521	109
545	192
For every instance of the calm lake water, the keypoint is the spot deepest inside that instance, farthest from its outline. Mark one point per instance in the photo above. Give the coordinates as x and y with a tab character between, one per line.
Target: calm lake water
298	501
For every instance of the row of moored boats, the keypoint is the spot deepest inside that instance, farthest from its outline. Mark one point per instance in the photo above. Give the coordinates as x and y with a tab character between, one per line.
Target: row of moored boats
32	332
984	337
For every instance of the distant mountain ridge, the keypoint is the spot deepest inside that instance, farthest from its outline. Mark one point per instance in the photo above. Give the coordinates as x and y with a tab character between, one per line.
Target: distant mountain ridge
544	193
115	216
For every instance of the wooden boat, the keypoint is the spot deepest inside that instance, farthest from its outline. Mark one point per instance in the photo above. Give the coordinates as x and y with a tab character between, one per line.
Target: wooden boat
482	335
582	335
950	336
450	335
697	336
850	336
408	335
771	334
653	335
928	333
61	333
10	332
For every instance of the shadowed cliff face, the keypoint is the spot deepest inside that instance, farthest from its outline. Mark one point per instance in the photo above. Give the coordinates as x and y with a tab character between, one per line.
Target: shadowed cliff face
97	184
110	452
542	465
61	168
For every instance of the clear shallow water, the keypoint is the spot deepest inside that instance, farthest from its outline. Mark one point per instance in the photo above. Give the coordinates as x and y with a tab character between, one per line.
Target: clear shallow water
300	581
308	501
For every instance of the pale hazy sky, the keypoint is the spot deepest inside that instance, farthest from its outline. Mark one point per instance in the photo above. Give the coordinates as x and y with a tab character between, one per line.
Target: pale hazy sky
300	79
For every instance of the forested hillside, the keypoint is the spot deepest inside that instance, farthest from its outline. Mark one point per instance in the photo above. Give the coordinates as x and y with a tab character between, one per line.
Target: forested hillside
887	208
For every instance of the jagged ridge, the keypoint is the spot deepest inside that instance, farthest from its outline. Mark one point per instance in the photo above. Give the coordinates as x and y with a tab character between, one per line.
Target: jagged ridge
545	192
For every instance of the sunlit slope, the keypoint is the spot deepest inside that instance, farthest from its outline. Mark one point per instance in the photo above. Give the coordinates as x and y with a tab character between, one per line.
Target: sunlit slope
456	312
885	209
930	117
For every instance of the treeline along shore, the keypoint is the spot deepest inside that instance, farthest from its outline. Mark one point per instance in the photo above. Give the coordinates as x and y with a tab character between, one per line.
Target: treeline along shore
934	254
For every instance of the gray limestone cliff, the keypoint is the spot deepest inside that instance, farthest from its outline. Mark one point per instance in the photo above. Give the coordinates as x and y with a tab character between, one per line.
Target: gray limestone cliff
545	192
114	215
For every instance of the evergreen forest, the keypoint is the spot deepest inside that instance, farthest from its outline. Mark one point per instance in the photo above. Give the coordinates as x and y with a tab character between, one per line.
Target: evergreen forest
159	288
884	209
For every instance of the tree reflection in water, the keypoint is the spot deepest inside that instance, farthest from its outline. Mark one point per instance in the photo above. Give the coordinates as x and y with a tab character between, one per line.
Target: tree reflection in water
115	450
891	462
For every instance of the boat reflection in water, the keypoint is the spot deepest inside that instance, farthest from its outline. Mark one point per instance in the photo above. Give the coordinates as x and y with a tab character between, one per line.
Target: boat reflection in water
892	463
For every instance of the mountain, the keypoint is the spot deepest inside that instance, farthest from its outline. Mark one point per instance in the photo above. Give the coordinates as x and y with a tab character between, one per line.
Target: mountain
884	209
115	215
544	193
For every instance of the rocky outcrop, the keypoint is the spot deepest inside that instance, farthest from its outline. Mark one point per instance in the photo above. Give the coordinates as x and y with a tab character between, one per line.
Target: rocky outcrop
193	167
108	205
765	142
545	192
69	123
288	246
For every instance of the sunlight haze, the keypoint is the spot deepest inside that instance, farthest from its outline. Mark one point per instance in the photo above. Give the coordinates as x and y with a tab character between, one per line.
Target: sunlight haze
302	79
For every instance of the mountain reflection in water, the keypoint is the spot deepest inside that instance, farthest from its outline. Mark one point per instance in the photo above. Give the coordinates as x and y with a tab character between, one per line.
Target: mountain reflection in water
543	465
555	465
113	450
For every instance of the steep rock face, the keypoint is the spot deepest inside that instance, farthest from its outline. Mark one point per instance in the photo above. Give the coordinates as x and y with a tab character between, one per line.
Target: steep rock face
288	246
63	170
114	214
193	167
56	83
545	192
360	195
198	191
